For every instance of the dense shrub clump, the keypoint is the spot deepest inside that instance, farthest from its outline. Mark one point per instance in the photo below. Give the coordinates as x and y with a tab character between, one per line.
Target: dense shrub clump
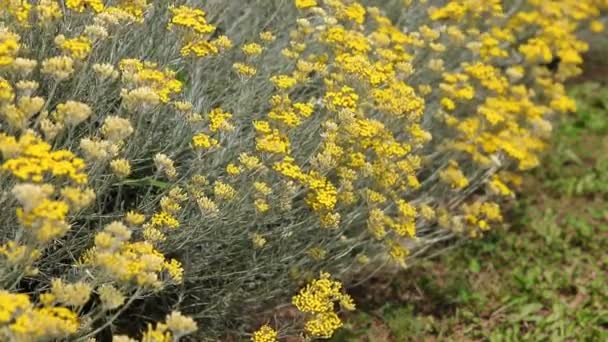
212	158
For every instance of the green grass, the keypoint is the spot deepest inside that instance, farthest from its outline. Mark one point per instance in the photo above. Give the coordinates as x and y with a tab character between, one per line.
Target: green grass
542	277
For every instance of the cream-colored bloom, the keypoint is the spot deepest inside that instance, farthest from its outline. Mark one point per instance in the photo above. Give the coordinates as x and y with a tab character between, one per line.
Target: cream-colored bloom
76	294
180	325
165	164
27	88
111	297
24	66
60	67
121	167
30	195
116	129
50	129
105	71
98	150
142	98
30	105
72	113
95	32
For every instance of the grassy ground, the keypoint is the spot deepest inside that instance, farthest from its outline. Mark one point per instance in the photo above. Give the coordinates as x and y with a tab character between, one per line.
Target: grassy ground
543	278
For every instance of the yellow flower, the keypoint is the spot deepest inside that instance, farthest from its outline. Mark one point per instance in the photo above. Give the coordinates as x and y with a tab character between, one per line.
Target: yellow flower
249	162
427	212
275	142
262	188
158	334
453	176
447	104
345	98
262	126
9	46
164	219
46	322
12	304
223	191
222	42
596	26
20	10
191	18
267	36
81	5
78	48
16	254
354	11
135	218
152	234
283	81
76	294
203	141
317	299
323	325
120	167
202	48
207	206
264	334
130	263
258	240
78	198
141	98
31	195
27	87
244	69
218	120
233	169
175	270
252	49
397	252
35	160
6	91
303	4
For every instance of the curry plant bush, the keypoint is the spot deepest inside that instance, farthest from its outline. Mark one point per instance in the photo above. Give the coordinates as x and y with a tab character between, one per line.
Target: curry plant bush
198	163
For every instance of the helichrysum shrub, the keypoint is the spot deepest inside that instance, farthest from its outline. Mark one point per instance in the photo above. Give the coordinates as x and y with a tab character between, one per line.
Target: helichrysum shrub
217	157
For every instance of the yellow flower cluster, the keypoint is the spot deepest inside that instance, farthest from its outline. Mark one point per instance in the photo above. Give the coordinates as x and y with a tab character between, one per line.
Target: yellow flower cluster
317	299
325	114
23	321
196	31
42	216
218	121
130	263
146	85
364	91
29	158
81	5
264	334
77	48
161	221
